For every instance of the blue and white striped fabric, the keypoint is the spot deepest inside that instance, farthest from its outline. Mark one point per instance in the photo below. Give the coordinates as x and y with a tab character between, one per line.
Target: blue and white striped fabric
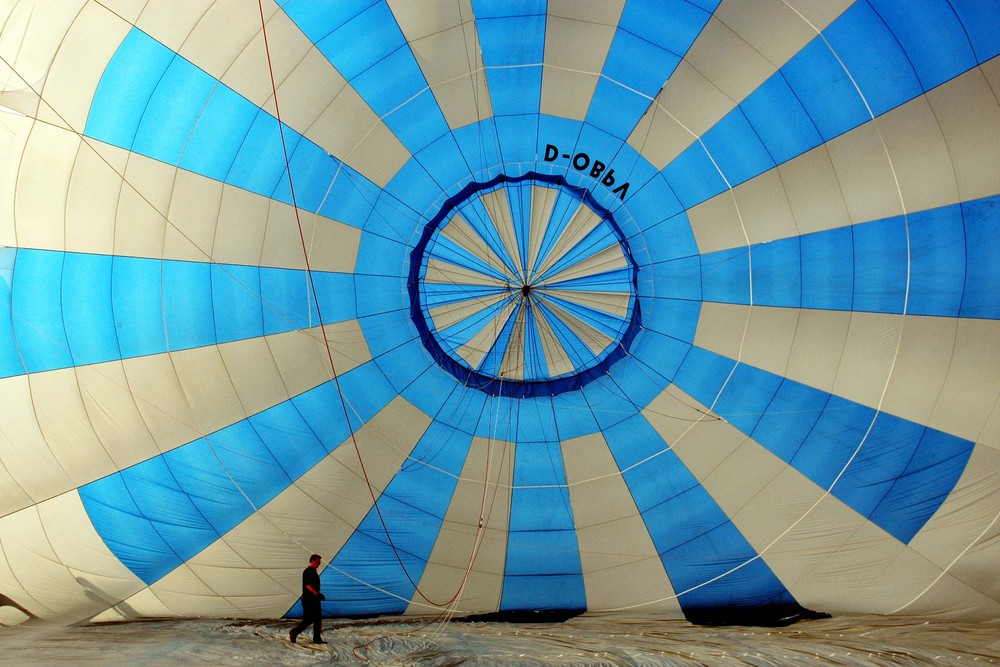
688	307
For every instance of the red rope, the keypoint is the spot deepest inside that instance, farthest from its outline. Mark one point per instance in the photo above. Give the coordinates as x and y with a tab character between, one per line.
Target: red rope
326	342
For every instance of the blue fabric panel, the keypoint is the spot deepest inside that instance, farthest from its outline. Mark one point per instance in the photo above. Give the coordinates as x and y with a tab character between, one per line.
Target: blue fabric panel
536	422
260	162
418	122
86	308
573	416
518	136
36	306
828	269
369	392
131	537
387	330
136	295
778	118
789	418
403	365
937	261
542	567
187	305
677	318
479	144
208	485
674	279
236	301
379	294
695	539
322	410
982	247
218	134
411	184
777	275
182	501
337	296
246	459
10	356
878	461
543	592
656	34
736	148
125	89
608	405
172	111
825	90
742	408
979	19
351	198
840	445
288	302
698	544
873	56
493	360
655	205
934	40
615	108
638	383
319	18
289	438
444	161
167	506
660	354
880	266
725	276
413	508
211	130
513	90
534	356
353	45
930	475
693	177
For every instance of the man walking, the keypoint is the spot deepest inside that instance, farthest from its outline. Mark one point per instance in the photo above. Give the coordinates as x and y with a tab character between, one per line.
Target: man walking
312	613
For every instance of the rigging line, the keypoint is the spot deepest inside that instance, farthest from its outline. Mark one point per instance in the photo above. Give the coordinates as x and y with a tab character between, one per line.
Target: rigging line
322	326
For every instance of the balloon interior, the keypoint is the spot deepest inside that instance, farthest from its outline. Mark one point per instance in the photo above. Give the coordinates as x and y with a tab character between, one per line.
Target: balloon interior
686	307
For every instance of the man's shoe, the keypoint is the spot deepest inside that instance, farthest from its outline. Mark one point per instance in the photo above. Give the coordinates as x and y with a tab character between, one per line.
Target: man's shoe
292	635
318	641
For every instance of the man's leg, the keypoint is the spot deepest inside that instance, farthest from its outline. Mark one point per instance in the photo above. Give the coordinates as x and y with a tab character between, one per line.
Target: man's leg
318	627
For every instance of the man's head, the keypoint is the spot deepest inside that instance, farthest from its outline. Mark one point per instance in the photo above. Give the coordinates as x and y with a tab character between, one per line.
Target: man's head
314	560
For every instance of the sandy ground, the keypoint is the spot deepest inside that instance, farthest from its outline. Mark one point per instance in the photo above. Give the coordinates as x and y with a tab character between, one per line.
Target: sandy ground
585	640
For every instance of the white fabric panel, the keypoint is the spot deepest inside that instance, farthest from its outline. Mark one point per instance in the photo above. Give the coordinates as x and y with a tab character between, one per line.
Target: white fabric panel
475	350
543	200
278	538
828	556
78	64
968	518
621	567
116	202
570	74
68	427
498	208
941	375
583	222
461	232
742	45
906	160
968	112
55	547
143	604
444	41
462	546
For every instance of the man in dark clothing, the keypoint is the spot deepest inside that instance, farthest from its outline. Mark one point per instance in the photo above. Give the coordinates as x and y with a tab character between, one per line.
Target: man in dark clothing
312	613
